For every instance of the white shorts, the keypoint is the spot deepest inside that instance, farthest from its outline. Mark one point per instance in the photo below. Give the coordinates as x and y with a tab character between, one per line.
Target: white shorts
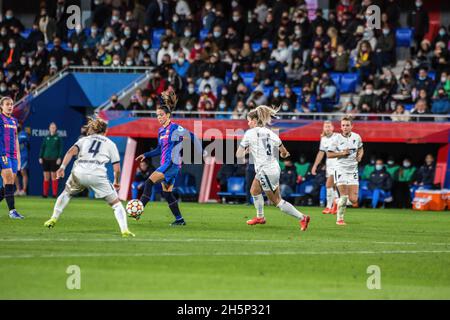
269	179
330	172
349	178
101	186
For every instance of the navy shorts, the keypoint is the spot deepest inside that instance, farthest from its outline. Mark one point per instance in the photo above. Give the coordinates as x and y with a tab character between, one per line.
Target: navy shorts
170	171
9	163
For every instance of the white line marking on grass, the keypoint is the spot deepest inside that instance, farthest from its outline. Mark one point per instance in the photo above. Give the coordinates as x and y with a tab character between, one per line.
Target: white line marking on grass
193	254
296	241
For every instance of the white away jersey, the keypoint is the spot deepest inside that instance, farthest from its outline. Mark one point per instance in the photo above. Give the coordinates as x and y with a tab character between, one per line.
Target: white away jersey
263	144
95	151
325	144
339	143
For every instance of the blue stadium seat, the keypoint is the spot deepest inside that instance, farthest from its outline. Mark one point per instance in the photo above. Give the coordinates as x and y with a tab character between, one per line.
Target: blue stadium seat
349	82
203	34
267	90
404	37
297	91
235	187
256	46
248	78
409	107
336	77
432	74
26	33
50	46
156	38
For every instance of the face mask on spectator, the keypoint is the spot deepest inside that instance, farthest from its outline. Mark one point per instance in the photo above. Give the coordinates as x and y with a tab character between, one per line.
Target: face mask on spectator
207	90
234	4
127	33
262	67
180	60
276	94
12	45
236	18
235	77
222	105
191	90
3	88
217	34
422	78
442	32
418	4
189	106
240	108
175	19
52	63
8	17
109	35
285	107
23	61
298	32
94	30
406	164
115	18
145	46
31	63
117	47
369	91
390	162
378	167
349	107
129	62
385	32
76	49
187	34
197	47
150	103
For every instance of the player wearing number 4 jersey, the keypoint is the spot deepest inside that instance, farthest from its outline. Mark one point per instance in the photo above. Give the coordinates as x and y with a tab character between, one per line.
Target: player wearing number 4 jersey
347	148
89	171
264	145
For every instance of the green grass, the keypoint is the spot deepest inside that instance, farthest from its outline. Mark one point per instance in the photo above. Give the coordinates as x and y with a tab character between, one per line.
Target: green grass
217	256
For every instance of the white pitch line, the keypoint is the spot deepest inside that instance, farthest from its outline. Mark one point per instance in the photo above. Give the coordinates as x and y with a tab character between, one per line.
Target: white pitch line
192	254
295	241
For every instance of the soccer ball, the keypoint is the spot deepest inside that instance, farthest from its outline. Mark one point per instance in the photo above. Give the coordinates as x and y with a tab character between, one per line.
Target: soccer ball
135	208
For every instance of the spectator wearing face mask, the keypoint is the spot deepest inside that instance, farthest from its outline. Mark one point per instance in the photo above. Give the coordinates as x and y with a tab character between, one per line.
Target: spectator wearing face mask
380	183
11	55
157	84
442	36
303	167
326	94
444	83
400	114
368	102
441	104
208	80
189	94
94	37
392	167
181	66
405	177
419	20
385	49
115	104
222	107
240	111
368	168
420	108
425	174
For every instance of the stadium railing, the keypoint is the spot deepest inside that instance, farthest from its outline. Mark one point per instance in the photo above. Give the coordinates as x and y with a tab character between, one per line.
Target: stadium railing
227	115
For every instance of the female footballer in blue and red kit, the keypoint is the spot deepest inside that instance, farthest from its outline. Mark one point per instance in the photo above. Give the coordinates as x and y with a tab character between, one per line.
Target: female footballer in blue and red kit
170	138
10	154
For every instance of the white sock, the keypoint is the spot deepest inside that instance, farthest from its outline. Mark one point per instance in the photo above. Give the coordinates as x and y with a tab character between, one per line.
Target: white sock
330	197
60	204
289	209
335	194
121	216
342	205
258	201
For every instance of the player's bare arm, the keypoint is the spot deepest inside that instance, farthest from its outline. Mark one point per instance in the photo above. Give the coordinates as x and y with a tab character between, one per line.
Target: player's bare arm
283	152
140	158
73	151
319	158
116	169
241	152
360	154
340	154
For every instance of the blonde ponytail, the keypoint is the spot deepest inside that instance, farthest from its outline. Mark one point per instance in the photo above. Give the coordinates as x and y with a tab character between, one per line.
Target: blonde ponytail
263	115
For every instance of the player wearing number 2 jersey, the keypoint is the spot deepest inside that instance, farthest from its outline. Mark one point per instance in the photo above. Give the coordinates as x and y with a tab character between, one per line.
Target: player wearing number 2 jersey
347	148
264	145
89	171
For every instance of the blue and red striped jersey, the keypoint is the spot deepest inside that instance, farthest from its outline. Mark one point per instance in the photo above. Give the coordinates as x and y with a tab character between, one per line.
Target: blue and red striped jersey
169	140
8	136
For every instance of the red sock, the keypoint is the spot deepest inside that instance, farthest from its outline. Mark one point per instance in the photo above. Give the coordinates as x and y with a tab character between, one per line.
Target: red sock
55	187
46	187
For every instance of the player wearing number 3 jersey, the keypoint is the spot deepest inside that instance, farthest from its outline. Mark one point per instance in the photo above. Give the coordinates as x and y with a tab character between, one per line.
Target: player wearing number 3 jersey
89	171
264	145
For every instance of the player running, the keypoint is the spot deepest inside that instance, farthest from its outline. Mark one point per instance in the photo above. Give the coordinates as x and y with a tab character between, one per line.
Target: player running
170	138
325	142
264	145
10	155
347	148
89	171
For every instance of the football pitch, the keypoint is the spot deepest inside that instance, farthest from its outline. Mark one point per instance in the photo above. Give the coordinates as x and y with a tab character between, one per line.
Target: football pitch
217	256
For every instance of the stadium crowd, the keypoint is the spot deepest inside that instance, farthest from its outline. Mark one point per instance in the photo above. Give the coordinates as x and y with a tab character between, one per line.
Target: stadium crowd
220	56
